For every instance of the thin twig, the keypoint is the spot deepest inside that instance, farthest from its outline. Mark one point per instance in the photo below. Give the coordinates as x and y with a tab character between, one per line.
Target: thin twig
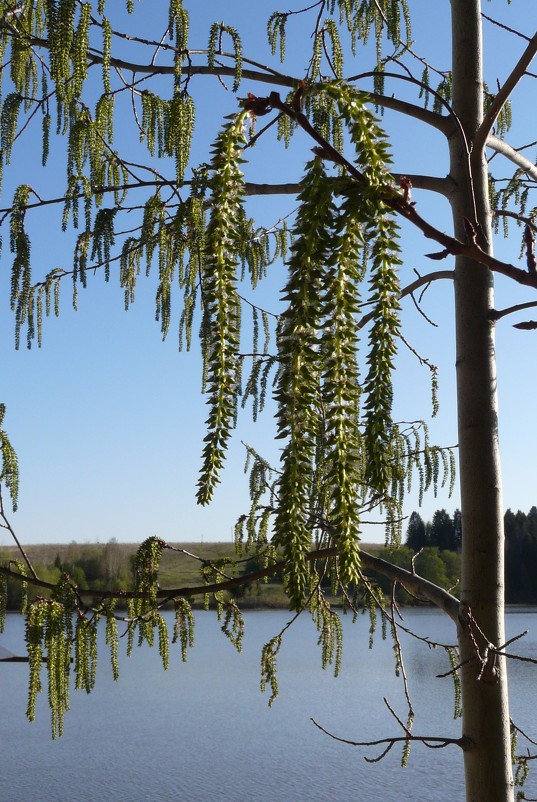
399	654
7	525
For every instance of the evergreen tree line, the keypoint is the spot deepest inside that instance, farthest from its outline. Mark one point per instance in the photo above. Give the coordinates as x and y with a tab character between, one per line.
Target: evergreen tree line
444	533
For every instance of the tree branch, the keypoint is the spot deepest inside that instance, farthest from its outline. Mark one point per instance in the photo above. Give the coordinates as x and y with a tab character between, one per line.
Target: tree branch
259	75
498	314
429	183
520	218
480	139
396	201
425	182
270	76
433	742
422	587
421	281
499	146
446	124
251	188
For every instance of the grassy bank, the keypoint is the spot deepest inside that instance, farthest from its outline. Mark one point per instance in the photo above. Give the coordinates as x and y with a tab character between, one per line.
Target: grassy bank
100	566
110	565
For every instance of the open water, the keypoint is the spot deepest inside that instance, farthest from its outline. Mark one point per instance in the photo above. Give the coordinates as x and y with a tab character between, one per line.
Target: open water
202	731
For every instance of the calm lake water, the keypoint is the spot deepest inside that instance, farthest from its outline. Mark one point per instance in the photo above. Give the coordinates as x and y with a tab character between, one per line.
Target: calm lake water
202	731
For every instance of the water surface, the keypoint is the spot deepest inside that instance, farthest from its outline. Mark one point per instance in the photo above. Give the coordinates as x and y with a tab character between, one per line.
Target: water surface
203	731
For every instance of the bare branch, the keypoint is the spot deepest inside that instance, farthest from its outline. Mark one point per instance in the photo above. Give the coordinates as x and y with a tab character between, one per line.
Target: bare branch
446	124
252	188
520	218
505	27
433	742
422	281
480	139
511	153
524	735
498	314
430	183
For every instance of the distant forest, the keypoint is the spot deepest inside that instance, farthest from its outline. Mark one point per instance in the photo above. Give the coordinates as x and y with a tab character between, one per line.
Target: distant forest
444	534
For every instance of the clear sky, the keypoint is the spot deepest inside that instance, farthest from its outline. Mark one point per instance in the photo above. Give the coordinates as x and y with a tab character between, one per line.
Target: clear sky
108	420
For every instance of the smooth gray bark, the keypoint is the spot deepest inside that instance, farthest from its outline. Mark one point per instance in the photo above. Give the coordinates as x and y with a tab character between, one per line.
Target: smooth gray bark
487	758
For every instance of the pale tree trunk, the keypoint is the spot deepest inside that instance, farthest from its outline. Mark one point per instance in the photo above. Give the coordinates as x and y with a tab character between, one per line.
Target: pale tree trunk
487	759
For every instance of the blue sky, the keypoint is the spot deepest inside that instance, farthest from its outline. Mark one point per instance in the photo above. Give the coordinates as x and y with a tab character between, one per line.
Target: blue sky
108	420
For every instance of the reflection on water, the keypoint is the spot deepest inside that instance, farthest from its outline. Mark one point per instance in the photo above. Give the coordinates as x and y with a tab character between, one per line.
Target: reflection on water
202	730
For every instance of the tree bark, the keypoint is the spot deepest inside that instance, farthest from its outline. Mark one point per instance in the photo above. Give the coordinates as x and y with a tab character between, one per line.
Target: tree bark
487	758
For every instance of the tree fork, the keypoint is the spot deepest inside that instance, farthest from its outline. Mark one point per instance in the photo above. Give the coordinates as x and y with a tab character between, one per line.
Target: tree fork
487	761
